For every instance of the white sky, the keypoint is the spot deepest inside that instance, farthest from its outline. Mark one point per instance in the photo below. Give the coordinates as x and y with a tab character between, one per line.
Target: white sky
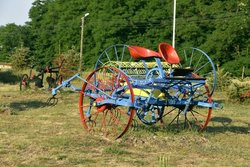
14	11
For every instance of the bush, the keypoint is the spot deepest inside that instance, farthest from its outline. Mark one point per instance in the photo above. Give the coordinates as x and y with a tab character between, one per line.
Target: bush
20	58
237	88
223	79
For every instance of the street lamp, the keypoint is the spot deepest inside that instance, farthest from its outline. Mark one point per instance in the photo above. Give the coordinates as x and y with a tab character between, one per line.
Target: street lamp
81	45
174	16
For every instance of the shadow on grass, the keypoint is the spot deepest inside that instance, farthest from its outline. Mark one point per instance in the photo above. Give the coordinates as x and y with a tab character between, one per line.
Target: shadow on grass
7	77
24	105
224	125
219	101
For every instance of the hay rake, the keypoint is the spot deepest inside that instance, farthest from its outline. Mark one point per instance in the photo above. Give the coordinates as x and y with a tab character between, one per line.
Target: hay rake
132	80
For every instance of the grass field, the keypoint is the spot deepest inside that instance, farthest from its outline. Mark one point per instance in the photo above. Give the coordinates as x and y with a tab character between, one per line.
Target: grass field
33	134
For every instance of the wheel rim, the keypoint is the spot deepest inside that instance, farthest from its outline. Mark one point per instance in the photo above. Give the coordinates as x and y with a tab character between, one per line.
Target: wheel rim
150	114
191	116
201	63
113	55
108	120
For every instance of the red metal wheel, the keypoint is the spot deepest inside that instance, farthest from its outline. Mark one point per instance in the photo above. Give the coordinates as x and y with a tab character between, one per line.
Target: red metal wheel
108	119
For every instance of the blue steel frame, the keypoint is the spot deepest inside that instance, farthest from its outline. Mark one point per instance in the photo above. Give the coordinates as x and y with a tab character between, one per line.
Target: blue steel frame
162	82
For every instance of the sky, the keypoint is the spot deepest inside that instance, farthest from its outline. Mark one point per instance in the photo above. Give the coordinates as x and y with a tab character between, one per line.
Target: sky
14	11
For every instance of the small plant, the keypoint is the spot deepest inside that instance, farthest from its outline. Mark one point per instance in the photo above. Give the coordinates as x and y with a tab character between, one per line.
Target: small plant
223	79
163	161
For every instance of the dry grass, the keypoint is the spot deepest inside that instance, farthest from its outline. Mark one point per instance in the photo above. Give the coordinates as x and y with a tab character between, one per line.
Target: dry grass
33	134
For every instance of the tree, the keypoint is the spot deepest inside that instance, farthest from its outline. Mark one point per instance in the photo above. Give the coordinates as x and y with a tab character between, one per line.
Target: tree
220	28
12	37
20	58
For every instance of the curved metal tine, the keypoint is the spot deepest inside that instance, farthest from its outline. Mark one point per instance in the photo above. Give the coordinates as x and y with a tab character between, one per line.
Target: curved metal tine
96	114
52	101
201	67
191	58
187	122
113	124
117	122
109	77
104	122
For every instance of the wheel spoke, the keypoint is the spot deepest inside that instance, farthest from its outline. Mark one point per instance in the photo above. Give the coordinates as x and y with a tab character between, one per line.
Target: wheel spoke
202	67
123	51
198	62
169	112
112	122
116	54
177	116
191	58
204	116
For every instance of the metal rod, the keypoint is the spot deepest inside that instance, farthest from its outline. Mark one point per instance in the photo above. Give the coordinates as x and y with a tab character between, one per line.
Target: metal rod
174	16
81	45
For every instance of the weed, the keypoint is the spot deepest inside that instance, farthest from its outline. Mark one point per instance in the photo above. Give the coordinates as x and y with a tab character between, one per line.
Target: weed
163	161
115	149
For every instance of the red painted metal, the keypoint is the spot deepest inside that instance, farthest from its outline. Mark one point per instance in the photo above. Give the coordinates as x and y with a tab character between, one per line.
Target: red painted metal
168	53
138	52
106	112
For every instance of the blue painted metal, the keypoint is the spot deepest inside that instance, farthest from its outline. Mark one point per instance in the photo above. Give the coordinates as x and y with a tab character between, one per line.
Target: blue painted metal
164	83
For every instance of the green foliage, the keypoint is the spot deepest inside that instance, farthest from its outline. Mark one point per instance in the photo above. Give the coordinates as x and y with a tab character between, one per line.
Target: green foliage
20	58
236	90
220	28
223	79
12	37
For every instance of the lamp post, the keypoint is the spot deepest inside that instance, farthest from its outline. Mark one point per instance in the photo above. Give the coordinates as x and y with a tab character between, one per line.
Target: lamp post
81	45
174	16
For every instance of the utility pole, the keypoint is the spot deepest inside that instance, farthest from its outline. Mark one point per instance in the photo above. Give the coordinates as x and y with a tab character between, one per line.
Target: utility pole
174	16
81	45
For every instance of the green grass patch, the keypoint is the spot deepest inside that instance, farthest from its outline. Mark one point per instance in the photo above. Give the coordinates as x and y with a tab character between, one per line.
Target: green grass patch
40	135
